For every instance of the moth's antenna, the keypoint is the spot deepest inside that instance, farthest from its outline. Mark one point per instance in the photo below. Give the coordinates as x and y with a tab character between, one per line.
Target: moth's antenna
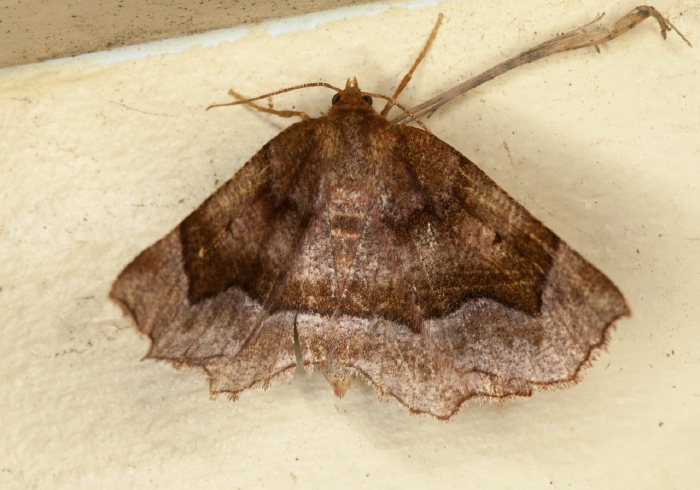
249	102
392	101
407	78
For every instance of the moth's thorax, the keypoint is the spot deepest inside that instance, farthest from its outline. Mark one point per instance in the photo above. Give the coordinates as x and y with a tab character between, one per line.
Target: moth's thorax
354	143
350	106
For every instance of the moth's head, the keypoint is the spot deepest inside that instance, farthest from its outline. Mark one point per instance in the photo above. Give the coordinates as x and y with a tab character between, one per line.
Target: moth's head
351	98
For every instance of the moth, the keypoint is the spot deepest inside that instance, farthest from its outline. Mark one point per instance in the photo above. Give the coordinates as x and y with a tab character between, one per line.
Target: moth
381	252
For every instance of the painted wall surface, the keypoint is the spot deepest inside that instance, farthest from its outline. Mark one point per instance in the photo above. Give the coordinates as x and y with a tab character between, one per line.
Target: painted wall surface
102	155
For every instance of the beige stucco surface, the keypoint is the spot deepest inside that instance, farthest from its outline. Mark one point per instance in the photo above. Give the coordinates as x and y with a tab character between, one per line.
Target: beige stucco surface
100	158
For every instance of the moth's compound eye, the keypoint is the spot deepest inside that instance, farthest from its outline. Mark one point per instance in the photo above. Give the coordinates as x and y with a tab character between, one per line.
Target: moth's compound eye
335	99
367	99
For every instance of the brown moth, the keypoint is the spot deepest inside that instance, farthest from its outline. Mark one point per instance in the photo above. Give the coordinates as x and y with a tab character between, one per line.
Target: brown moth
388	255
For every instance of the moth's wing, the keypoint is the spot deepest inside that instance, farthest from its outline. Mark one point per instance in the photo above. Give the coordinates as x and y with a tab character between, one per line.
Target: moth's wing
471	295
207	294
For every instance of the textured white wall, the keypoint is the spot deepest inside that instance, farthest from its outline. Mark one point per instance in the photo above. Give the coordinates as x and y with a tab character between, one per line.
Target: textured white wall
98	160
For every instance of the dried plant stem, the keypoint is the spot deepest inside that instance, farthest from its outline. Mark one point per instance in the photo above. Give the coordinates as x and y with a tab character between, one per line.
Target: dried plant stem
582	37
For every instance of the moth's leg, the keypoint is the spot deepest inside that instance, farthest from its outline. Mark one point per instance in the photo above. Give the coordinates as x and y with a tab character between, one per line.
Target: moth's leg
269	110
407	77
